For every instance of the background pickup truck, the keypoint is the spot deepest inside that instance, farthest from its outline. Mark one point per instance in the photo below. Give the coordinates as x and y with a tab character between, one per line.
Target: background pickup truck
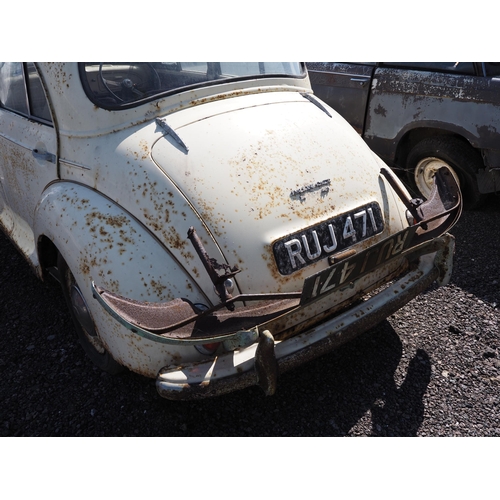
419	116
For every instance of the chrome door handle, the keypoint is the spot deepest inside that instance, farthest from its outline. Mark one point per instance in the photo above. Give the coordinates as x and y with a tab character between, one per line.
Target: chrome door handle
362	81
44	156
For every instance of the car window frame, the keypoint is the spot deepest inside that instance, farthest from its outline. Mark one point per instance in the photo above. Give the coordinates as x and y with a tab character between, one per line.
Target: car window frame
420	66
29	99
486	67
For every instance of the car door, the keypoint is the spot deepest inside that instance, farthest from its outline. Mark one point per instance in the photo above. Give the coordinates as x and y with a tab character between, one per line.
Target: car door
28	149
345	87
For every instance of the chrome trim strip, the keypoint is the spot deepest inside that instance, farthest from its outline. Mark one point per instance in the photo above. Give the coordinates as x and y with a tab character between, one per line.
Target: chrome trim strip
73	164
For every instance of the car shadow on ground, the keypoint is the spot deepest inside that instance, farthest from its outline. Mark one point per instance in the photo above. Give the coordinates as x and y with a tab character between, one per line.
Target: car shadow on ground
361	383
329	396
476	267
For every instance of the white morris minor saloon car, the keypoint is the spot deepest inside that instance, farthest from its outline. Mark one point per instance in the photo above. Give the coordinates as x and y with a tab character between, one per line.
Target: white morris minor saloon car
212	225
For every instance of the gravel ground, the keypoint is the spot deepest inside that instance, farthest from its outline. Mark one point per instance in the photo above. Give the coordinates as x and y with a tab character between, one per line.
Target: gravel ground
431	369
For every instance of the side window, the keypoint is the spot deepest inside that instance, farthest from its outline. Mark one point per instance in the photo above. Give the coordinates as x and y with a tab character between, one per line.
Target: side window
492	68
12	89
21	91
461	68
38	102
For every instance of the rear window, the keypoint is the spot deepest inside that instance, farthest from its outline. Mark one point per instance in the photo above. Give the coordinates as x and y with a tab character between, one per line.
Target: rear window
123	85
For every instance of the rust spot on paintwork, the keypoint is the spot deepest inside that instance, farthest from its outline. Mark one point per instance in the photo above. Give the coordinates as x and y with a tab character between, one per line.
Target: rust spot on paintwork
218	97
61	78
173	238
145	148
259	172
110	220
177	359
268	258
84	267
157	287
125	237
152	221
380	110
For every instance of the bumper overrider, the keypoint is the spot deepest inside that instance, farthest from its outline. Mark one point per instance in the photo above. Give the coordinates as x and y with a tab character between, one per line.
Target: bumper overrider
260	342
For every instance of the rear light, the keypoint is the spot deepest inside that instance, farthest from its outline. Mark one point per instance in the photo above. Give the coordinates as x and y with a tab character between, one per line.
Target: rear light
411	220
208	349
412	213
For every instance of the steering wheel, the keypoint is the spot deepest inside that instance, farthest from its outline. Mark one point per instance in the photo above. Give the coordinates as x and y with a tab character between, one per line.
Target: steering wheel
140	80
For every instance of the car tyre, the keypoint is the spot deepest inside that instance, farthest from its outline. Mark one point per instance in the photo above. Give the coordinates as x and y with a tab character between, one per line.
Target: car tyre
464	162
84	324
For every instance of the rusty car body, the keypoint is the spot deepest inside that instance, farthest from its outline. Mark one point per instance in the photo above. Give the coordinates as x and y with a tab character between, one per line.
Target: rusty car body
418	116
212	225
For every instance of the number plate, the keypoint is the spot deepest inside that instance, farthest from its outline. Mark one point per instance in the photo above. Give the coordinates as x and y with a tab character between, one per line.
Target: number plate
348	270
300	249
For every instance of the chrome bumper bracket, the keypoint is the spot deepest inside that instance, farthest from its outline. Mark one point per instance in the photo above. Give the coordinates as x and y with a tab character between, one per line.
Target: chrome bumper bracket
266	364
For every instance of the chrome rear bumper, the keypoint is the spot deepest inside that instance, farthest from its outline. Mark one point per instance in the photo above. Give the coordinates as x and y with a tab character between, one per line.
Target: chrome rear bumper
262	362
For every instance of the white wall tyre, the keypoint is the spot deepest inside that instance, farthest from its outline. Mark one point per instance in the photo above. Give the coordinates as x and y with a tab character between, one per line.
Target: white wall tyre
463	161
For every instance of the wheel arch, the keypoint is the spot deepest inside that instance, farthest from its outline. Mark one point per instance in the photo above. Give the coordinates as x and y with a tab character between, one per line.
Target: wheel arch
410	138
100	241
431	152
86	229
47	257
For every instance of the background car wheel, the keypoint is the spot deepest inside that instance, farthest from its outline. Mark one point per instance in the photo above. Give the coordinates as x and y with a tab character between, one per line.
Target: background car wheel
464	162
84	324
